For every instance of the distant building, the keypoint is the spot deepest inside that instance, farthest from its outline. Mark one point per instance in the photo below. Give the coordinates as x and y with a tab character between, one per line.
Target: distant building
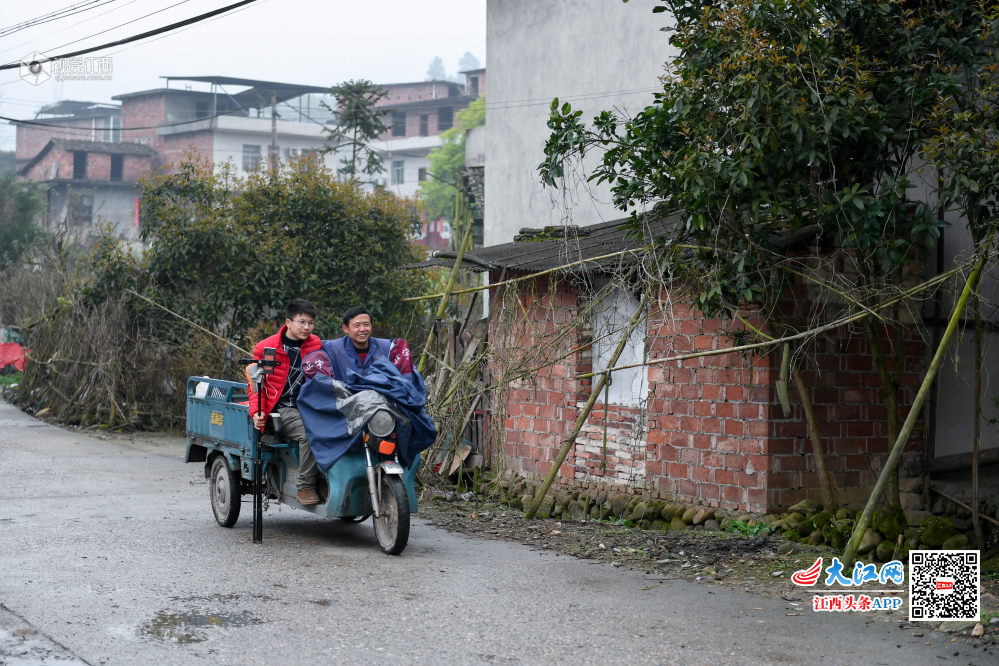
421	112
92	155
81	121
220	125
90	181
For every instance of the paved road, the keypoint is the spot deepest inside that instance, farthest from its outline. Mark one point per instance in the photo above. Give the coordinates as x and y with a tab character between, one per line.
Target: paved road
109	551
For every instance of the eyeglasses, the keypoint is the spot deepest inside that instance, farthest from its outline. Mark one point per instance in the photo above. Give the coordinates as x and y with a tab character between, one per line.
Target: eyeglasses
304	323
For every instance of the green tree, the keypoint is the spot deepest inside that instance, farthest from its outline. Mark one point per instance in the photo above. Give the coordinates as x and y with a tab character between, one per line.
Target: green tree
359	122
788	121
21	202
437	192
222	250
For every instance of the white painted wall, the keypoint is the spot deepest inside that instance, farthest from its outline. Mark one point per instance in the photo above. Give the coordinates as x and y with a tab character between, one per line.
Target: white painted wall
233	132
597	54
412	152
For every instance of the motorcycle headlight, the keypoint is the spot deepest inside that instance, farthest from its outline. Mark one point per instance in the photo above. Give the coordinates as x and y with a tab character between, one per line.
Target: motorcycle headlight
381	424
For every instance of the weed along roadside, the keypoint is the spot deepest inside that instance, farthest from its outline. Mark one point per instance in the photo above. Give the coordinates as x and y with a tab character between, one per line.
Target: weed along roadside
671	541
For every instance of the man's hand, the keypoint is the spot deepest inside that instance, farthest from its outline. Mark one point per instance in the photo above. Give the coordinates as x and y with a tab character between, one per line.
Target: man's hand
259	420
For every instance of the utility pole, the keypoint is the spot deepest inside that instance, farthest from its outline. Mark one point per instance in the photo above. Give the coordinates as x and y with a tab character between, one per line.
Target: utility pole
274	146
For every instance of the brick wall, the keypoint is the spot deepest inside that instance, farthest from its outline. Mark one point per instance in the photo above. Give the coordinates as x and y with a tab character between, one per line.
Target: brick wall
413	121
146	111
134	166
31	140
171	148
43	169
402	93
712	428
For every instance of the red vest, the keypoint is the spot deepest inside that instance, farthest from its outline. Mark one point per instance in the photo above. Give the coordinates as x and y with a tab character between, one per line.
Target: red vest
274	384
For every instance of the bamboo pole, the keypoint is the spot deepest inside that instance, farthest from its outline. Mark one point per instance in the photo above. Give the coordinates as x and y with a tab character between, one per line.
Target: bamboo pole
569	441
449	288
850	555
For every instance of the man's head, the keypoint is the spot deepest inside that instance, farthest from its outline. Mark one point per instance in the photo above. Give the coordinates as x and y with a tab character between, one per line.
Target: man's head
300	319
357	326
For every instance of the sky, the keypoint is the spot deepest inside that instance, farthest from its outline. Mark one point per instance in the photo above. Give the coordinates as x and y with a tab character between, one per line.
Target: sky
311	42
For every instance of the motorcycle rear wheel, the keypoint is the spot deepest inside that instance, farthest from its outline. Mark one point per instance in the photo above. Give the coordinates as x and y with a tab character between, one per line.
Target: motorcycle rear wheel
392	528
224	488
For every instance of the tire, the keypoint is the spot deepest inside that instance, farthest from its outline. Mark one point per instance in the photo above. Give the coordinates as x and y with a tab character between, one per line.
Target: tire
392	528
354	519
224	489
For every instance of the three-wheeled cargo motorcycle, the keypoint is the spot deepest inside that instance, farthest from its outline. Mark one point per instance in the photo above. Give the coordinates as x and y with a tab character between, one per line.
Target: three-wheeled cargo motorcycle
239	461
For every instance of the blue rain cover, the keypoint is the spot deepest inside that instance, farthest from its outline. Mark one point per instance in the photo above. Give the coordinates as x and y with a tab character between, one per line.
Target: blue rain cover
334	413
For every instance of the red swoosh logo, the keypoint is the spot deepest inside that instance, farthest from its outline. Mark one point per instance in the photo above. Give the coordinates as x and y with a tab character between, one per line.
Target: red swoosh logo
808	576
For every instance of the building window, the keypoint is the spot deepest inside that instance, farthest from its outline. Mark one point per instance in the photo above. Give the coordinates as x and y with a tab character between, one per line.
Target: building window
80	212
422	175
473	85
399	123
445	118
201	109
399	172
111	132
117	166
251	157
79	164
424	124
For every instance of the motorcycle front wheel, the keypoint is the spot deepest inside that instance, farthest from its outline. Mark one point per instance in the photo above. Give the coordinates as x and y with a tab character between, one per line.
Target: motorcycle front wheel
392	527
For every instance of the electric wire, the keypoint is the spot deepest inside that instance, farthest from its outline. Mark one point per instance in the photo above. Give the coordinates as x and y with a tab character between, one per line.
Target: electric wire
144	35
65	12
158	11
76	24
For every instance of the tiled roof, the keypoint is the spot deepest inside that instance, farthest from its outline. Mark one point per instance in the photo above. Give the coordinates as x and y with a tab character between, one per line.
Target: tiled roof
574	244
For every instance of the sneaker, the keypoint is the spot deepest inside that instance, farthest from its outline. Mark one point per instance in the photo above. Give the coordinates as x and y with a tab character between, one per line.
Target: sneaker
308	497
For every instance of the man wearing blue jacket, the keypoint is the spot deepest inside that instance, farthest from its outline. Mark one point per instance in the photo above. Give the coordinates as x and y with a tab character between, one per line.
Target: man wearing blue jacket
357	350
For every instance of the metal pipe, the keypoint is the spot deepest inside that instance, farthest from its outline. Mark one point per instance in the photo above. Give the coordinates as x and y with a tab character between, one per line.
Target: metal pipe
258	502
372	486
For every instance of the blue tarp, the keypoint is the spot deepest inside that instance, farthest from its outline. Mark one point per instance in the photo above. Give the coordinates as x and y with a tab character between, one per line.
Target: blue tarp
335	413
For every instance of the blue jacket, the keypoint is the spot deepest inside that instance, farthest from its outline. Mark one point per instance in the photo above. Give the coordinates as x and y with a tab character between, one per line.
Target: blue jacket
343	356
327	427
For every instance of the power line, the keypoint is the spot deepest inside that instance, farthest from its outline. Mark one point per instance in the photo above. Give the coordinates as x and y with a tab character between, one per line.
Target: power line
65	12
74	25
150	33
261	2
119	25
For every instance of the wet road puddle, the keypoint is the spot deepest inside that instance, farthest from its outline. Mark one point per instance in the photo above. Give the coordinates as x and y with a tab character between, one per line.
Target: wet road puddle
191	626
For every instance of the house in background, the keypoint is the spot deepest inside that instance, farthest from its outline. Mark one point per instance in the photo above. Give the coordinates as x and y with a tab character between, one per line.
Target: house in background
69	119
91	156
228	119
220	125
420	112
91	181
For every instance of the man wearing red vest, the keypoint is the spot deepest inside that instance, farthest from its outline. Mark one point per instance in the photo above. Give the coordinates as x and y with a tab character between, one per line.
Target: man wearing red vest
292	342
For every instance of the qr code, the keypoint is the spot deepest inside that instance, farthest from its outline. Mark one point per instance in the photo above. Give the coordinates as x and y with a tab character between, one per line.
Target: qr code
944	585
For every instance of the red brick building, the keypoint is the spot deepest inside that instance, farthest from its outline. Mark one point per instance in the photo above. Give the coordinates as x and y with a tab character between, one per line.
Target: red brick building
709	429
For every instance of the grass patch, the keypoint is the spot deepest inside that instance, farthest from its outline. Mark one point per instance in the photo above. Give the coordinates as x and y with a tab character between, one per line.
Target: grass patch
11	380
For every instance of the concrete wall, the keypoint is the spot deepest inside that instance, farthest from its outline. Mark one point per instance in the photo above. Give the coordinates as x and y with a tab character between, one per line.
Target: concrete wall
606	50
